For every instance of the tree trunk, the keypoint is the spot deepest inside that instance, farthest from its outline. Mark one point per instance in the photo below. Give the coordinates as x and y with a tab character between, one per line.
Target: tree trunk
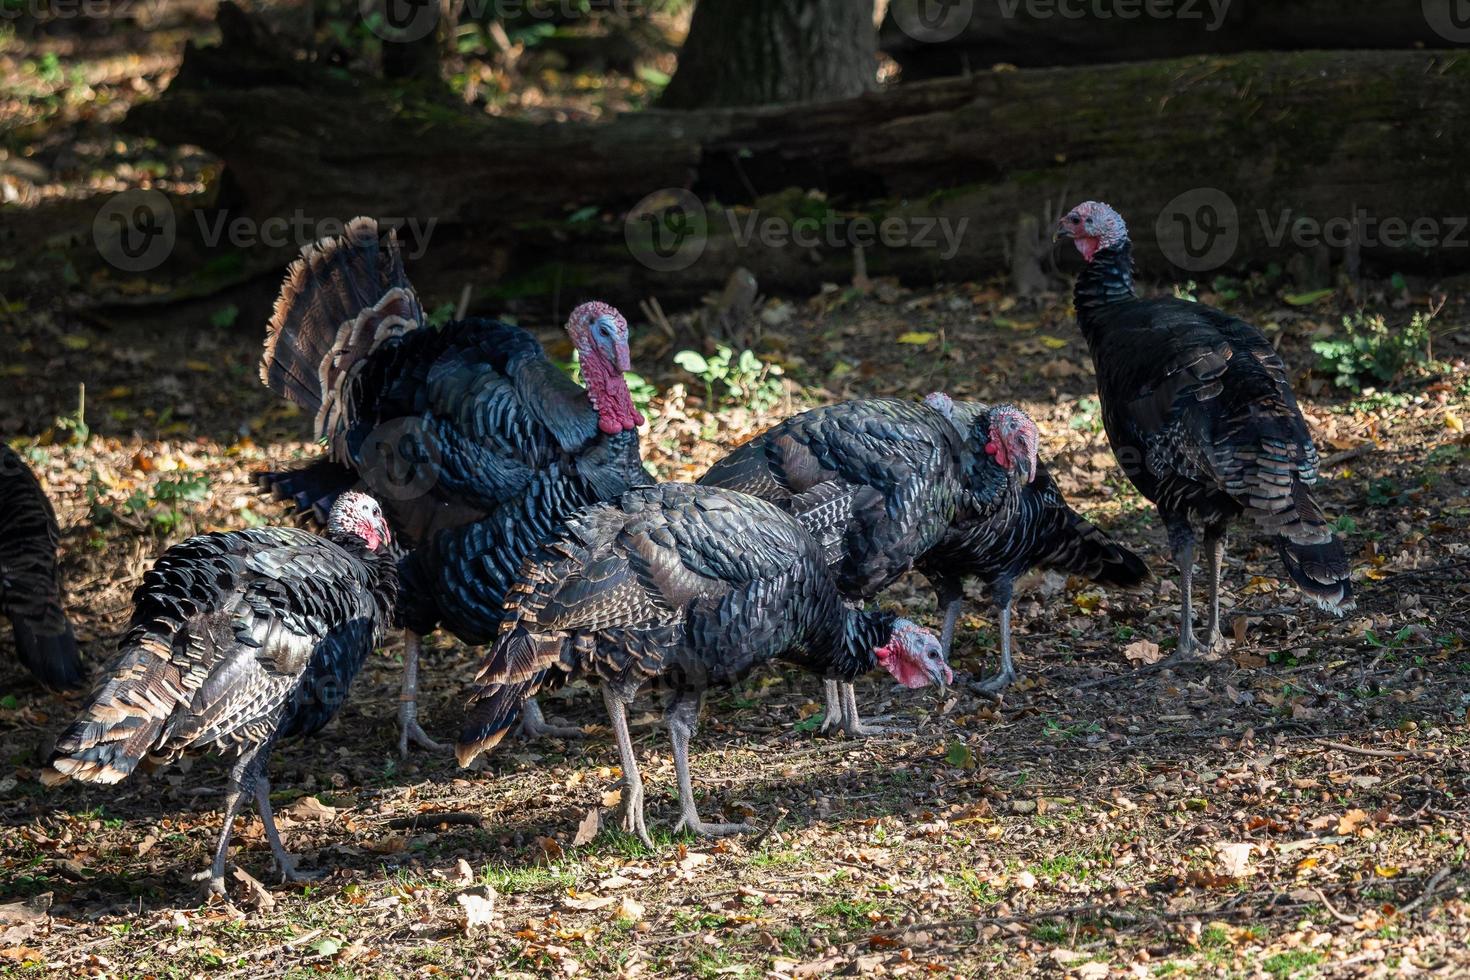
774	52
936	38
533	212
411	32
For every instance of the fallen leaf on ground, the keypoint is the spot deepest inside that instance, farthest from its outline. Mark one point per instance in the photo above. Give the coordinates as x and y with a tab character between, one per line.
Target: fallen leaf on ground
479	906
1235	858
1143	651
588	828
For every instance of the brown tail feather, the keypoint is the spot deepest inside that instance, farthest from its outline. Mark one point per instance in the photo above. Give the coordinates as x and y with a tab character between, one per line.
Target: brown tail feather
342	299
123	720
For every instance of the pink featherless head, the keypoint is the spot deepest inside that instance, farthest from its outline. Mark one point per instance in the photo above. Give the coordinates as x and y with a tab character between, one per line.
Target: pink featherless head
1093	226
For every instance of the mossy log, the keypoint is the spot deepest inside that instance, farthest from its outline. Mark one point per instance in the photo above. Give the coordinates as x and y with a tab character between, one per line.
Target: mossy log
522	209
933	39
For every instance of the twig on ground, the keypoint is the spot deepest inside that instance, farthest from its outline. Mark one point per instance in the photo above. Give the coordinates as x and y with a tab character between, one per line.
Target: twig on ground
1429	890
1378	753
770	826
461	817
1332	909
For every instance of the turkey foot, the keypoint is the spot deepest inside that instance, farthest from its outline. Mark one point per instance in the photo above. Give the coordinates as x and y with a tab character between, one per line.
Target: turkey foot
408	708
411	732
214	884
535	725
853	725
690	821
285	860
992	687
632	819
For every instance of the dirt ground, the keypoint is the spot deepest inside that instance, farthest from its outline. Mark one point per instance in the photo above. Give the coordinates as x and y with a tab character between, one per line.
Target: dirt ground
1297	809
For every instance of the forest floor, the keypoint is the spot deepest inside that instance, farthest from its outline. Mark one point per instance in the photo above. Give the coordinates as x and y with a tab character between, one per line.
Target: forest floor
1297	809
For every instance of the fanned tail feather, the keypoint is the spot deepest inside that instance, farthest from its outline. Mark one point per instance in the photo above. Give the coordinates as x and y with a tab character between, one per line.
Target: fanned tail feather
124	717
501	691
1320	570
53	659
341	300
1087	551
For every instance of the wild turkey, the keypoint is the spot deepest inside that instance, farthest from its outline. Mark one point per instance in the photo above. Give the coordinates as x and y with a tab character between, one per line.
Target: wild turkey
477	444
1200	413
1044	532
878	482
690	586
238	640
30	583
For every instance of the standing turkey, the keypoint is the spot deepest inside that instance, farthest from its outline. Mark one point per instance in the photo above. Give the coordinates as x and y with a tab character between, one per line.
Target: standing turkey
1200	413
1043	532
30	583
878	482
477	444
692	587
237	640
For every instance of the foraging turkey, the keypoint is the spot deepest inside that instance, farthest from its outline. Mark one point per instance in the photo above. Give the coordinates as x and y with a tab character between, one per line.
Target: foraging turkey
237	640
477	444
1043	533
690	586
1200	413
879	482
30	583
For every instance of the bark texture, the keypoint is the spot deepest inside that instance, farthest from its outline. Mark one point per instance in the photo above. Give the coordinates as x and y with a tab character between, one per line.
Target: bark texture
774	52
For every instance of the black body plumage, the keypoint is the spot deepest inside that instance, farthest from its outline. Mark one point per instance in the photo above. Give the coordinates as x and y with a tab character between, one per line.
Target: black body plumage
30	581
691	584
1201	416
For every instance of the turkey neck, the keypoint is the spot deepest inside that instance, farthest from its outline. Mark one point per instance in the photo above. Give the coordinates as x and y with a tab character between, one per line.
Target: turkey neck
1108	279
381	566
862	633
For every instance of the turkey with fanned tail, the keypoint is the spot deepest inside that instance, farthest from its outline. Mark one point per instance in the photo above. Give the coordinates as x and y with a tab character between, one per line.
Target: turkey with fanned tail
477	444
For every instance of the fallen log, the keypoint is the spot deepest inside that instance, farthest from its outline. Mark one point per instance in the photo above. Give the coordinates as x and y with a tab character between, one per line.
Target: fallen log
938	38
944	180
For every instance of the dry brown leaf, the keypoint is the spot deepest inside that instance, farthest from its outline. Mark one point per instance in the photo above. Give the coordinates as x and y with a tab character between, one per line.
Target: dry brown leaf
313	809
583	902
479	906
1234	859
1350	822
588	828
257	896
630	909
1143	652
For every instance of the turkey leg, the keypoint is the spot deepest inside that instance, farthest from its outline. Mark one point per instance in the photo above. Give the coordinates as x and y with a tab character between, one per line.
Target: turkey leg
408	701
991	687
242	774
1181	543
535	725
284	859
682	718
633	822
1215	556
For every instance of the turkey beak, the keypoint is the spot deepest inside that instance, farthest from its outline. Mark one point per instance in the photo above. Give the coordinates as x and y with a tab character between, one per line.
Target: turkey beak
1062	231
